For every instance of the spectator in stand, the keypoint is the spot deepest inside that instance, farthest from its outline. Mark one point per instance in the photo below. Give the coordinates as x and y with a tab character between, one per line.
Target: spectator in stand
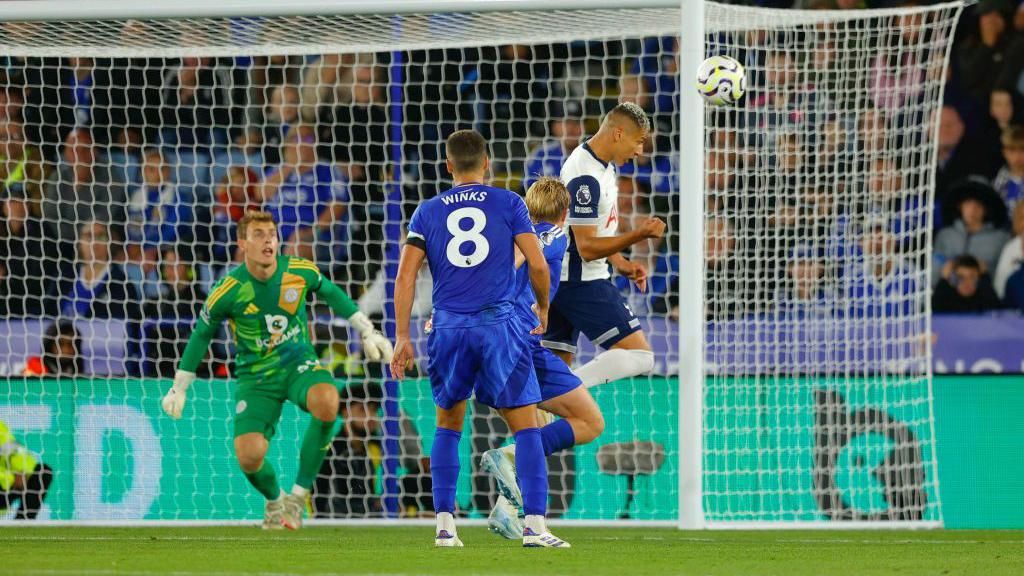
1012	78
881	283
1002	108
177	307
982	56
82	189
634	205
12	99
513	83
1012	256
805	294
959	156
159	210
973	232
61	355
898	76
346	485
657	82
786	99
267	73
355	134
566	129
722	266
22	164
872	132
237	193
1009	181
100	288
28	260
305	195
49	113
24	479
282	115
964	289
202	102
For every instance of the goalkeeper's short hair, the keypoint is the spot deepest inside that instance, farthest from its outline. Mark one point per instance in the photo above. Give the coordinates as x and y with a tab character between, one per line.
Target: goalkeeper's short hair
253	217
547	199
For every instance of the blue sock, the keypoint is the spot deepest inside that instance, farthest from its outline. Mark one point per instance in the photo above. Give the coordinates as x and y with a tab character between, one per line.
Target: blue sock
557	436
444	468
532	469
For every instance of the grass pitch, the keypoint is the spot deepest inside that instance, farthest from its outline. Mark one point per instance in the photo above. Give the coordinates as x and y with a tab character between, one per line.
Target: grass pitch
235	551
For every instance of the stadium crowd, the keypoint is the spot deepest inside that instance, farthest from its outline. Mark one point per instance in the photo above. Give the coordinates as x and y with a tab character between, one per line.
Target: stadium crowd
123	178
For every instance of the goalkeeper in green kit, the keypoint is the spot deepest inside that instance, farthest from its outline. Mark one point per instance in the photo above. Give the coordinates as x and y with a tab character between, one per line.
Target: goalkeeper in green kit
264	302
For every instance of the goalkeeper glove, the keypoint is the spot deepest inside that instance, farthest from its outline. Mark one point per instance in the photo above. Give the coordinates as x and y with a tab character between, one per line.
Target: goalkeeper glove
174	400
375	346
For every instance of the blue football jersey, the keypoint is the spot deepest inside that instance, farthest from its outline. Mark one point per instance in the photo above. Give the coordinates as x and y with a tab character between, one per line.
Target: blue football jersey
469	234
553	242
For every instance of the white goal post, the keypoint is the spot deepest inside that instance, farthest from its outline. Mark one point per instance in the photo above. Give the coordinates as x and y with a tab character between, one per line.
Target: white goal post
788	309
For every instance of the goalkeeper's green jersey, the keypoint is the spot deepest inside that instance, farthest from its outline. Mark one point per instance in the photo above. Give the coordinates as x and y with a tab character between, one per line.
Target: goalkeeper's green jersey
14	458
268	319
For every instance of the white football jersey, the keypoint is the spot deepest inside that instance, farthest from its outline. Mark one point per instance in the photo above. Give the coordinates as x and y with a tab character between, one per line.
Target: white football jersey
593	201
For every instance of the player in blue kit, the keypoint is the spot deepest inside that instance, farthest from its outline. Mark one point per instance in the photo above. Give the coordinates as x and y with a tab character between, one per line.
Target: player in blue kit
478	343
562	392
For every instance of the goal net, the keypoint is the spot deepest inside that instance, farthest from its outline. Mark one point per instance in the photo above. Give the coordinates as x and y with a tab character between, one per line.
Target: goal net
133	143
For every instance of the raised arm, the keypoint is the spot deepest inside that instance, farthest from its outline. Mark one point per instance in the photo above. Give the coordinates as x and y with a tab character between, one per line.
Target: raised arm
405	292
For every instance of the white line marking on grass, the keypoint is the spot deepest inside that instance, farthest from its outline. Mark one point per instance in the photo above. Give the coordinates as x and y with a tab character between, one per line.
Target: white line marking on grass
60	572
159	538
832	541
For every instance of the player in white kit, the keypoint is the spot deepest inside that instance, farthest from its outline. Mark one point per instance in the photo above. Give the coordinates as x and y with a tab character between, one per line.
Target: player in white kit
587	301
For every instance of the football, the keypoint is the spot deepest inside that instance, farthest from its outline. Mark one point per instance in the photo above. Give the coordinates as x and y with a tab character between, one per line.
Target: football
721	81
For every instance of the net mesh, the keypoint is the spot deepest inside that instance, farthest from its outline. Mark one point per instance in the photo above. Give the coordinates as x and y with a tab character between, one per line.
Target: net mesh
819	218
131	148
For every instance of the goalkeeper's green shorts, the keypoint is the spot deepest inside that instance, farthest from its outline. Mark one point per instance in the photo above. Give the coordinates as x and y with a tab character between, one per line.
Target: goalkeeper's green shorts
258	402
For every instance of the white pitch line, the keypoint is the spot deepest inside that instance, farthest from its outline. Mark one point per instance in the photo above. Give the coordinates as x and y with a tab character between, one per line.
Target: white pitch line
158	538
109	572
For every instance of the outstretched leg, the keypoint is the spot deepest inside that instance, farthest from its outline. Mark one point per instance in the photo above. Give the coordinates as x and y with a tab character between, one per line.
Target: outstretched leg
628	357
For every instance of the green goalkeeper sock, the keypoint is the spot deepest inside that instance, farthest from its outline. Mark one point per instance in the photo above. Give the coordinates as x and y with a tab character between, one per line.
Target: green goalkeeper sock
265	480
314	448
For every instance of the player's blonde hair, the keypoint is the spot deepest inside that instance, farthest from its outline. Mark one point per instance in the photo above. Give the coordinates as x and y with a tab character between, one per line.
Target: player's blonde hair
253	217
547	199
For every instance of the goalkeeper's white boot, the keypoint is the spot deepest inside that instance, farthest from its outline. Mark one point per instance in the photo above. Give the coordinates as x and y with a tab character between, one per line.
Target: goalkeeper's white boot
501	463
273	513
294	506
446	536
505	521
536	535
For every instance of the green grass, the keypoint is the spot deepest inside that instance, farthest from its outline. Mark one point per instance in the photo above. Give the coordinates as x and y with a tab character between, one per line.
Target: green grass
406	550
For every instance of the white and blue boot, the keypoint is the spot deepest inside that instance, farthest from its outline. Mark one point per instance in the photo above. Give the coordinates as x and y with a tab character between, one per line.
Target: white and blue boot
501	463
536	535
504	520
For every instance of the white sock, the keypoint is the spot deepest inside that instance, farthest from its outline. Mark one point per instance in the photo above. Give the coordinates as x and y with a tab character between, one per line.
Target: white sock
535	522
300	491
615	364
445	521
